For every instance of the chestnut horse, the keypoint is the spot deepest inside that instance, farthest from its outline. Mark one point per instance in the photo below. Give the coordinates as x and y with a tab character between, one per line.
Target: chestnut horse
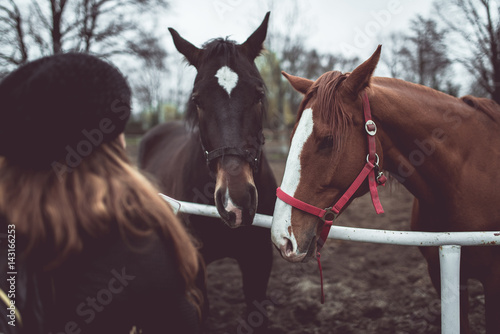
216	156
444	150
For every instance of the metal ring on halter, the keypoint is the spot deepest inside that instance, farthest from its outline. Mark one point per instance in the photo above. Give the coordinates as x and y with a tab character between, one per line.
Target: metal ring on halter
376	161
371	123
329	214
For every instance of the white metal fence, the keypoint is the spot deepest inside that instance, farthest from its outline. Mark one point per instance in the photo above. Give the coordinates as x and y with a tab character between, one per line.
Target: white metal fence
449	251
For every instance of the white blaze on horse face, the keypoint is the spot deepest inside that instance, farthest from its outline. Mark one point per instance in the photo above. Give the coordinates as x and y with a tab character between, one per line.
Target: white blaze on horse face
227	79
230	207
282	211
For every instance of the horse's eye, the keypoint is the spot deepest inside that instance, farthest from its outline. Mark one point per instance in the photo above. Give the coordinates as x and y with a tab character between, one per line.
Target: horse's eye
261	94
196	100
326	143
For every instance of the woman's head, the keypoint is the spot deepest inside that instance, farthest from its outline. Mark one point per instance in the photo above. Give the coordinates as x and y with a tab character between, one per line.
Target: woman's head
61	106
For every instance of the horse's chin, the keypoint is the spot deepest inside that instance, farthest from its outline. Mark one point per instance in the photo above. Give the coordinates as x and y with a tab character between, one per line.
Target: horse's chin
311	250
230	220
290	256
235	220
294	259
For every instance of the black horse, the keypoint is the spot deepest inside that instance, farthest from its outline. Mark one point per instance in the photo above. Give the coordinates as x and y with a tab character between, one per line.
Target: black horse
216	157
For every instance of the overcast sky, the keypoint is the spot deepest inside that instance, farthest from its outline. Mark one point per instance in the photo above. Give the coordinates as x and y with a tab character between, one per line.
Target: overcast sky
352	28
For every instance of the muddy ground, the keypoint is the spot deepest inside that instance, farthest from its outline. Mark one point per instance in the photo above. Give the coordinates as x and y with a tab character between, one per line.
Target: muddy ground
369	288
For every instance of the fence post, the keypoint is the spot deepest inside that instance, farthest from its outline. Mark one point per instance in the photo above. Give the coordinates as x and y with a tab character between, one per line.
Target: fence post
449	259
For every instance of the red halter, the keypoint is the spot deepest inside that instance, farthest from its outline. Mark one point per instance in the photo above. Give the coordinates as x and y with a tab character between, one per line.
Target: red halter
369	170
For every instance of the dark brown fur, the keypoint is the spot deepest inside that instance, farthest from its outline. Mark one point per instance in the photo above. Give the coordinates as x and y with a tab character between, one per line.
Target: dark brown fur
173	153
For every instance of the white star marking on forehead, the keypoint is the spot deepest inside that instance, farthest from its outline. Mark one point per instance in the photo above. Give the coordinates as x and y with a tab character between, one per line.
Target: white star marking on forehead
227	79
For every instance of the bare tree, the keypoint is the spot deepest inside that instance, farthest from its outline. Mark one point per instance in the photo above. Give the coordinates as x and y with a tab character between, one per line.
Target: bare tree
285	44
148	86
477	23
103	27
392	57
421	56
426	53
12	33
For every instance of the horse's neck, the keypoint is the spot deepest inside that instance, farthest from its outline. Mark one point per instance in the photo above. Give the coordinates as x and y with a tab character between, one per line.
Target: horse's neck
425	136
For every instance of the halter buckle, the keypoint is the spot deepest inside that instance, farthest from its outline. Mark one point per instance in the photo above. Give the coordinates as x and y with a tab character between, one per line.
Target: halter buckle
329	214
371	127
381	178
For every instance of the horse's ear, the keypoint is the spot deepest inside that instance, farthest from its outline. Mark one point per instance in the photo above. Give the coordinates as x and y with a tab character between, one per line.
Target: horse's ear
359	79
254	45
301	85
191	52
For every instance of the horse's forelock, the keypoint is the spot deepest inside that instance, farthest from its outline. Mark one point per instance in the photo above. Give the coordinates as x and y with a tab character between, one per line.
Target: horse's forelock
219	47
329	104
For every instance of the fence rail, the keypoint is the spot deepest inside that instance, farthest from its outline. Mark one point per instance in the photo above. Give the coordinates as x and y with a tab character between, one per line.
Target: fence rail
449	251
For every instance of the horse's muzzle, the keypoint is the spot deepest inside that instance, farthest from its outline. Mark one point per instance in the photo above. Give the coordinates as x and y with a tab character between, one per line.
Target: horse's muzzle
235	192
292	254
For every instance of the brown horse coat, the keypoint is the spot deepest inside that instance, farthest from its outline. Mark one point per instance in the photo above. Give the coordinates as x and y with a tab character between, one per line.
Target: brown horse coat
444	150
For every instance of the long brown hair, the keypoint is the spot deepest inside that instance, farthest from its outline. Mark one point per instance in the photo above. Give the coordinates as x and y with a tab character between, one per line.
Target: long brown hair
55	213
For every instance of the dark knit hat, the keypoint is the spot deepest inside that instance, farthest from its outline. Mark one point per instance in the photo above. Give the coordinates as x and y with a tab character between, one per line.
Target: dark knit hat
60	103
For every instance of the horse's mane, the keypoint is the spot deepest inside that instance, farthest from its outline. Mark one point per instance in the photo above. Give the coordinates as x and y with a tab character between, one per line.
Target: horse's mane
484	105
332	114
487	106
329	103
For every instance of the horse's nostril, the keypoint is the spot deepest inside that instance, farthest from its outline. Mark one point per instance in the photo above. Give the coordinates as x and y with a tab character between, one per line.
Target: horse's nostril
219	201
253	196
288	247
220	204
